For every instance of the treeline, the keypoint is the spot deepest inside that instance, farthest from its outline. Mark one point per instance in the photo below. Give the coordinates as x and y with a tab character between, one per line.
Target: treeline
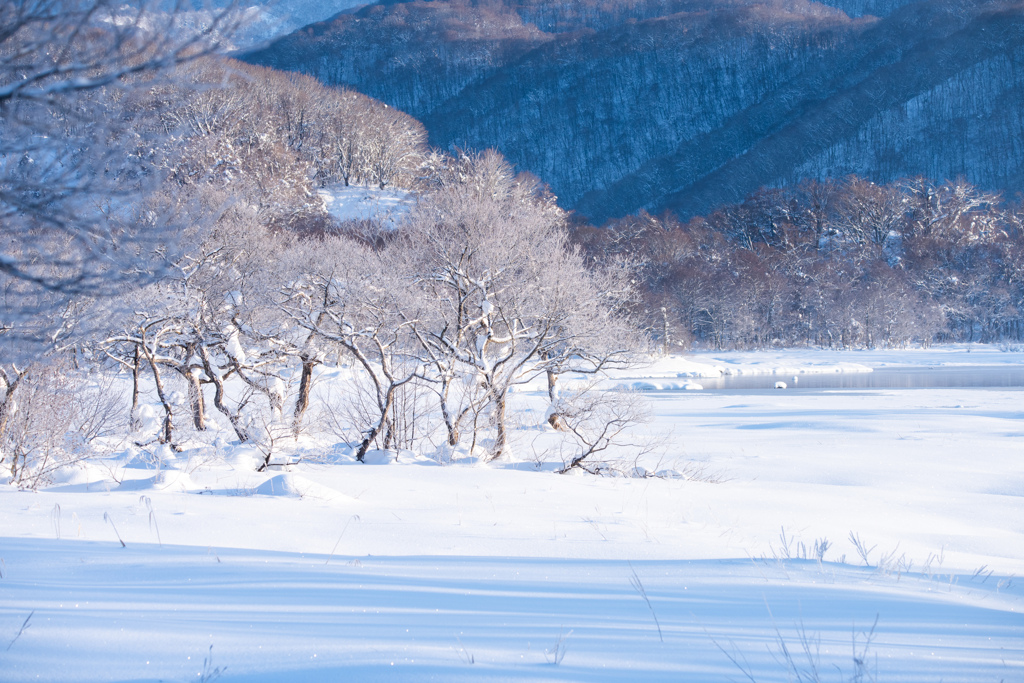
162	225
835	264
164	222
218	282
94	192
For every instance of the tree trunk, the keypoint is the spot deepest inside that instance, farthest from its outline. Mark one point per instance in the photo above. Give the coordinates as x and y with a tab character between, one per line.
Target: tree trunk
168	427
5	407
664	331
195	397
218	395
134	415
555	418
501	434
552	386
450	425
302	401
195	391
389	434
389	398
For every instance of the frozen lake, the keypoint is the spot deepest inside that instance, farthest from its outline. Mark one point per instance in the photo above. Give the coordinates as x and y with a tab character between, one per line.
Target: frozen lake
1001	377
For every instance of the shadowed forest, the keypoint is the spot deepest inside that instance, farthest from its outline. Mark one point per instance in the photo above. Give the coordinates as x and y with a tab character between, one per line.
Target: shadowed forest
687	106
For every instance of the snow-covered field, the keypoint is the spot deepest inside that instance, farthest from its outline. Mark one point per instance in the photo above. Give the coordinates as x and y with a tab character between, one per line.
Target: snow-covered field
410	570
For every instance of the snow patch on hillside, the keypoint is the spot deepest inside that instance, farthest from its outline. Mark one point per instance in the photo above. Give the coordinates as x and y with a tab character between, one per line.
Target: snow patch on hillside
358	202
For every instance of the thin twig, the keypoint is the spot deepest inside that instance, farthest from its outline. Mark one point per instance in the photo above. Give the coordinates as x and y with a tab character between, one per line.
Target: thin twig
107	518
744	667
639	587
338	542
21	630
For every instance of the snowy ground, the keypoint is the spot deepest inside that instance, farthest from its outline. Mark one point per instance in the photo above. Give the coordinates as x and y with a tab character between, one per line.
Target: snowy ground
410	570
359	202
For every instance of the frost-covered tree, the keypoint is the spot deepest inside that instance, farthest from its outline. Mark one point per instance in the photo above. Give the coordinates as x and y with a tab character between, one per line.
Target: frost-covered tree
509	300
212	316
353	298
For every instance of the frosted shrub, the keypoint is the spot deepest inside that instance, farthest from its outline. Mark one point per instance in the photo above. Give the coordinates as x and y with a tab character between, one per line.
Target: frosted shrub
56	418
412	422
601	424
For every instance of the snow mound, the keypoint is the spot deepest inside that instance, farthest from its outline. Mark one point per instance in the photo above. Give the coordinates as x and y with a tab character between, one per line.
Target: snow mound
380	457
174	480
168	480
242	458
77	475
404	457
288	485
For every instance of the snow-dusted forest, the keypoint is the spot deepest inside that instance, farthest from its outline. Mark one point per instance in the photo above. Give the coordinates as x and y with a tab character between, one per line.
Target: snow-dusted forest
287	394
685	105
838	264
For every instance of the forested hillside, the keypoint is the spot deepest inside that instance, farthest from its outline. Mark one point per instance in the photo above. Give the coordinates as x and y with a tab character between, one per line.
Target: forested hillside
837	264
630	105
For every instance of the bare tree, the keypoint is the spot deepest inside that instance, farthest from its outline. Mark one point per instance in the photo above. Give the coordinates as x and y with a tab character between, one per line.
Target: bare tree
602	421
214	316
348	297
869	214
509	300
74	157
57	421
393	148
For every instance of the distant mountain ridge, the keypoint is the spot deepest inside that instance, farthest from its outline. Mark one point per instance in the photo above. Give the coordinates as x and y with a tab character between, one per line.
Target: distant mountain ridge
687	104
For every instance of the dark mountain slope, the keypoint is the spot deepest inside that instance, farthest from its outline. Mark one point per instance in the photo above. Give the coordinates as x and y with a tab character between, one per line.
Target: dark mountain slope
584	112
686	104
414	56
869	122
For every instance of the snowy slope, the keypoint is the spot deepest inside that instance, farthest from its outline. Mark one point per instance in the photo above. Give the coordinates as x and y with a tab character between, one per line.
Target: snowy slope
414	571
152	613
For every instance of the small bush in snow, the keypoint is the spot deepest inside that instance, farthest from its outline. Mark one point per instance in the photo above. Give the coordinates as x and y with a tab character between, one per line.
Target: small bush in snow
55	418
